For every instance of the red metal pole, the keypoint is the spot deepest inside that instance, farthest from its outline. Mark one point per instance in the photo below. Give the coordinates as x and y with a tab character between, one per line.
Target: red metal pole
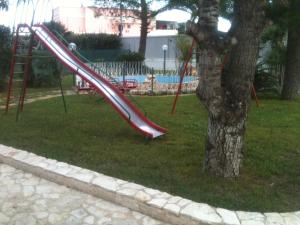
255	95
12	68
182	76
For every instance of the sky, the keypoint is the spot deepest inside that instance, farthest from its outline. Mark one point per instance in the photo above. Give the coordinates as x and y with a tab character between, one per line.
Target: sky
44	9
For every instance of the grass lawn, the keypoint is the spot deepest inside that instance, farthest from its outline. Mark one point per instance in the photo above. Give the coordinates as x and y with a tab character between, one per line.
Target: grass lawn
31	93
93	136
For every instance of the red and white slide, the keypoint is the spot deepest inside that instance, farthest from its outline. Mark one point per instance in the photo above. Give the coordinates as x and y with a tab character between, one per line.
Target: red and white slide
119	102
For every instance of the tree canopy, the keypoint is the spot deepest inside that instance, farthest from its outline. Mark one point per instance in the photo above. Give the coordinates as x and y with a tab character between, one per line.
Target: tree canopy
3	5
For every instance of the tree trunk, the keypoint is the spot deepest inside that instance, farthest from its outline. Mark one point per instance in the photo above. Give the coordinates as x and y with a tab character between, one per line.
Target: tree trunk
144	28
226	123
226	94
292	68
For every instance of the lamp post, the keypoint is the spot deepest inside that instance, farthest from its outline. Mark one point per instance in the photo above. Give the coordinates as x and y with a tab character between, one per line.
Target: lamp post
165	49
72	46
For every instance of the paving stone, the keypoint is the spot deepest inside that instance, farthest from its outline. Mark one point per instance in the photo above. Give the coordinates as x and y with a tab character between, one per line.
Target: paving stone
142	196
151	191
158	202
89	220
172	208
96	212
202	212
82	176
31	181
291	218
41	215
44	189
106	182
35	201
246	216
137	215
63	170
3	218
127	192
274	219
252	222
24	218
117	221
174	200
228	217
20	155
104	221
79	213
15	188
149	221
28	190
133	186
72	220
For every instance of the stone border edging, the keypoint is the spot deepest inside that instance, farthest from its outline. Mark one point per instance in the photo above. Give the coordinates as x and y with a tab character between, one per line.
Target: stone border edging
154	203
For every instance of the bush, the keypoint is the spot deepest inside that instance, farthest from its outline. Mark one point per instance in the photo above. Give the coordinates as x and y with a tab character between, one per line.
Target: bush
45	71
131	57
5	54
183	44
55	26
95	41
5	57
266	78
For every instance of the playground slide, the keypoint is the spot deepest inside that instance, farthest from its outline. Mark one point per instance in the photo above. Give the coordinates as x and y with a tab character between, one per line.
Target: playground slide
120	102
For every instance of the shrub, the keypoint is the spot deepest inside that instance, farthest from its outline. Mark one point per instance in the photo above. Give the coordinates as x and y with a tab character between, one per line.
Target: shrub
95	41
57	27
131	57
266	78
5	54
45	71
183	44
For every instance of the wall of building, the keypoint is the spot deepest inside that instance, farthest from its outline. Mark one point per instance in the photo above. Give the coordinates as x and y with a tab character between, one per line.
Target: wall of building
99	20
154	53
73	18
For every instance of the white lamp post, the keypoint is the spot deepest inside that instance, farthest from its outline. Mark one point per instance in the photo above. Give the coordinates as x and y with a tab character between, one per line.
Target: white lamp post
72	47
165	49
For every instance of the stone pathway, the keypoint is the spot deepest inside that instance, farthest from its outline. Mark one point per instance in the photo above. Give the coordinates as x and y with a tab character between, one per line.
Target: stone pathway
29	200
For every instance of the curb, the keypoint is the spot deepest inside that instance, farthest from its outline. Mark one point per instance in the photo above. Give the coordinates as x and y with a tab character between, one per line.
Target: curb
154	203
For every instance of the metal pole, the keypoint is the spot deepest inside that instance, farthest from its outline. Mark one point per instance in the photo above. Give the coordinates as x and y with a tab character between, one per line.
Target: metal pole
165	54
255	95
183	71
152	79
62	94
123	74
12	69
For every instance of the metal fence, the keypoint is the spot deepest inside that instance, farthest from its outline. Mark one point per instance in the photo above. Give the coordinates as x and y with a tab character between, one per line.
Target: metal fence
150	80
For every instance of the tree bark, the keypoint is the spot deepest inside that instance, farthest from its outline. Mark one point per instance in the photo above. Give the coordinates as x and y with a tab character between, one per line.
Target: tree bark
144	28
292	68
226	93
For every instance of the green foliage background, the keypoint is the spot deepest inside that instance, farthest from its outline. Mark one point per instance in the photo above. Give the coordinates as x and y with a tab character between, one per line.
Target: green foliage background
45	70
5	55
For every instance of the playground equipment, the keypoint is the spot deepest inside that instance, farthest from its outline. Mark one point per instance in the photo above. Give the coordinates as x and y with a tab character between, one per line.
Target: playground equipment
123	86
102	85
